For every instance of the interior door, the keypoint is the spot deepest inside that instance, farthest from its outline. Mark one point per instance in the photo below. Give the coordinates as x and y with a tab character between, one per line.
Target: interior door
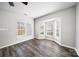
49	29
53	30
41	31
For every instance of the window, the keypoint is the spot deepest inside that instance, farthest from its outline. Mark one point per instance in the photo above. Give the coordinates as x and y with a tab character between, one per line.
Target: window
20	28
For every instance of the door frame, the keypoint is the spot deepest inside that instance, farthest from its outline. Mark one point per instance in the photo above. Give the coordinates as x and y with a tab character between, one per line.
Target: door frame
56	39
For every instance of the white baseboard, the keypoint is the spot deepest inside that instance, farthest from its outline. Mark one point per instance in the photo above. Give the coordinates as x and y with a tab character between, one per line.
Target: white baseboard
77	51
67	46
29	38
64	45
57	42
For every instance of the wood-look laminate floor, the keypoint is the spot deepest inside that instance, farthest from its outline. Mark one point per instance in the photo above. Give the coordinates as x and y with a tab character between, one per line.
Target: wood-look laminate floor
37	48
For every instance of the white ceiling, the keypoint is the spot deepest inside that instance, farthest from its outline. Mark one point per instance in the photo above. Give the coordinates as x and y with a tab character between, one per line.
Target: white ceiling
37	9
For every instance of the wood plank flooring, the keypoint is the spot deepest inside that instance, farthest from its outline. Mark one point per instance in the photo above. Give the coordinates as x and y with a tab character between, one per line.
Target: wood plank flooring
37	48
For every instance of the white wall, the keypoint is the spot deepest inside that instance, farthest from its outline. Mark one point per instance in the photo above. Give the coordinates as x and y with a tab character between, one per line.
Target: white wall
8	22
68	25
77	28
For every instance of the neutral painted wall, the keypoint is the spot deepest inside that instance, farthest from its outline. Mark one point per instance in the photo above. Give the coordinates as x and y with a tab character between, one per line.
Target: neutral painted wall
77	28
68	25
8	25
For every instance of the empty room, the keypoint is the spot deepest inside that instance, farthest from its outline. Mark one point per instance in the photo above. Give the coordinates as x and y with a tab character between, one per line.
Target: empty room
39	29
